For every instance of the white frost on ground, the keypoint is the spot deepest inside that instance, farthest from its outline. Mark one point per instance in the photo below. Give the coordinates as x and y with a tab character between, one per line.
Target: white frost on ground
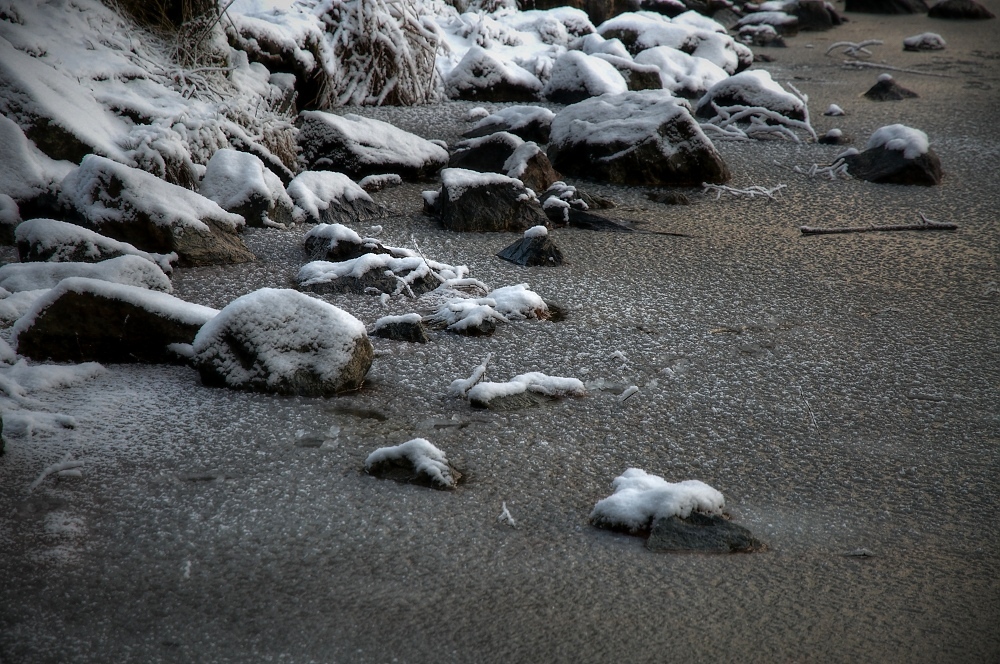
426	459
911	142
640	498
64	239
129	270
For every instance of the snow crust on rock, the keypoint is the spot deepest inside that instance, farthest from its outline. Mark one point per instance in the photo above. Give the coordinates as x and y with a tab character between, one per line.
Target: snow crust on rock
289	332
537	382
426	460
517	301
680	72
314	191
456	180
640	498
481	69
575	71
410	319
162	304
233	178
594	44
536	231
911	142
166	204
515	117
699	21
413	267
25	171
628	119
768	18
128	270
517	163
755	88
65	239
376	142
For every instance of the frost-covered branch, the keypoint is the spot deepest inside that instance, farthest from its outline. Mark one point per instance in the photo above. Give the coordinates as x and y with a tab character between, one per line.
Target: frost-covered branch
833	171
751	192
875	65
761	121
855	50
65	468
461	386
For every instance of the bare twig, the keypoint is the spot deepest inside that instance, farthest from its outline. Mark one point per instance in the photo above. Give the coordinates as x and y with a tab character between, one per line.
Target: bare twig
855	50
876	65
925	225
751	192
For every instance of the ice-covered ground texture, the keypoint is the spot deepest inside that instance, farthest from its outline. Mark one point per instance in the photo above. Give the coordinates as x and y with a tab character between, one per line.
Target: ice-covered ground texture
841	392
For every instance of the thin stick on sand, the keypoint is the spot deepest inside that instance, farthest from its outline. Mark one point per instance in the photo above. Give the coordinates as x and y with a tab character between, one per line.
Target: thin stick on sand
925	225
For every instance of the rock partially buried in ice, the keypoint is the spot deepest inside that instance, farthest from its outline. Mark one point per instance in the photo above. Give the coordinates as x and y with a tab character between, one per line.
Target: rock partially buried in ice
128	270
284	342
87	319
336	242
960	9
408	327
636	138
133	206
479	202
535	248
240	183
333	198
887	89
530	123
59	241
360	147
701	533
896	154
482	76
416	461
925	41
394	273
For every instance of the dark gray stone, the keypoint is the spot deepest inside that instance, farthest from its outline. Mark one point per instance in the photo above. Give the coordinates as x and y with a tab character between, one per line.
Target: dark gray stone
886	6
891	167
889	90
486	206
960	9
701	533
402	330
531	251
486	154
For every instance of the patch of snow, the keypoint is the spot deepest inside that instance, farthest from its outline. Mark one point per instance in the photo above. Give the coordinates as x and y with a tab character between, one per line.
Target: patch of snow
911	142
539	383
833	110
536	231
426	460
925	41
517	302
640	498
129	270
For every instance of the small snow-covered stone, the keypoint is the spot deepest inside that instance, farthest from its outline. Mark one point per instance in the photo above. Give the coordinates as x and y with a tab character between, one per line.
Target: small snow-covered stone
486	154
408	327
896	154
784	24
887	89
330	197
336	242
415	461
482	76
925	41
834	111
530	123
284	342
536	231
639	499
684	75
751	88
577	76
472	201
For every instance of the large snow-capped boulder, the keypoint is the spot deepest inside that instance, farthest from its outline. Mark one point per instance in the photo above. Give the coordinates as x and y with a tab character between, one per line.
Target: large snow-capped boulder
637	76
284	342
329	197
82	320
473	201
530	123
482	76
896	154
360	147
28	176
751	88
636	138
129	270
577	76
682	74
59	241
133	206
240	183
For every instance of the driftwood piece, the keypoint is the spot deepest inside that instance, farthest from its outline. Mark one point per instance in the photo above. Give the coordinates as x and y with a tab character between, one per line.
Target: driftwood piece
925	225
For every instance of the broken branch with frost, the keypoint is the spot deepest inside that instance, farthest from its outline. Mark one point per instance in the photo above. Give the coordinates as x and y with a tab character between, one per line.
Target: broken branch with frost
925	225
67	463
752	191
855	50
461	386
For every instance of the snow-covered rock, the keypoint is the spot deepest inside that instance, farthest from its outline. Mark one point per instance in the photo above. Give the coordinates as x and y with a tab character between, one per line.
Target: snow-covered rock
682	74
329	197
482	76
896	154
510	395
473	317
83	319
784	24
240	183
639	499
576	76
391	273
760	35
925	41
359	146
530	164
535	248
486	154
472	201
408	327
10	217
129	270
415	461
638	76
336	242
751	88
887	89
886	6
59	241
133	206
28	176
595	44
636	138
284	342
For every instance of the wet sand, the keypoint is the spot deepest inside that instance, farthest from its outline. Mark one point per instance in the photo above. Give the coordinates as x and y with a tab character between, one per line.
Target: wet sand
851	405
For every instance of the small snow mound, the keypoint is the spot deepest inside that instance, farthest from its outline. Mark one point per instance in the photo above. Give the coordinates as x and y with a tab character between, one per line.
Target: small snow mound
639	499
912	142
517	302
426	459
884	78
476	114
925	41
536	382
833	110
536	231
